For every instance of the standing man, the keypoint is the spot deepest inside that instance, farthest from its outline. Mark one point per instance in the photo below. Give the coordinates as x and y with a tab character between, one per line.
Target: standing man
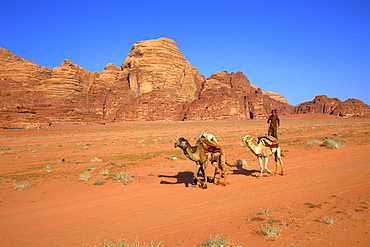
274	123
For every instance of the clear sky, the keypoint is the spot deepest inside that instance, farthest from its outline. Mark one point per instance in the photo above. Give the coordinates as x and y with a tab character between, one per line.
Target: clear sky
297	48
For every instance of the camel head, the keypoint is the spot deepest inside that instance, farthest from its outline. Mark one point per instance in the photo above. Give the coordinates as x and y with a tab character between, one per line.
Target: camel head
247	138
181	143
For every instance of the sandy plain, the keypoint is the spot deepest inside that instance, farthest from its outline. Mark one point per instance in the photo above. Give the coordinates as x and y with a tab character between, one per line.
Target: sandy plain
322	200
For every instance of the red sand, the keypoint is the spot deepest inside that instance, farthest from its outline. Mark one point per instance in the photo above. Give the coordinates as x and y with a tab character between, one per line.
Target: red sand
60	210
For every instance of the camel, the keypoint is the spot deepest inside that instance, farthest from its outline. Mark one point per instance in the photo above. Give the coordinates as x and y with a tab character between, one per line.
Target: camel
199	155
263	152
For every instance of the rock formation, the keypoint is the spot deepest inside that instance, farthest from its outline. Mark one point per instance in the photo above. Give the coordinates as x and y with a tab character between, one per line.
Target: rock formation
155	82
352	108
161	81
232	97
276	96
334	106
321	104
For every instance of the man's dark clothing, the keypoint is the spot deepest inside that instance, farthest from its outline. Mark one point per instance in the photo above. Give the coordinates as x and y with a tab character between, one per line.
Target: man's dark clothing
274	122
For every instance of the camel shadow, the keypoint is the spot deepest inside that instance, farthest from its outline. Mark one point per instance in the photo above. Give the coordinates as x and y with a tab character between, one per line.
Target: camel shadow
185	178
242	171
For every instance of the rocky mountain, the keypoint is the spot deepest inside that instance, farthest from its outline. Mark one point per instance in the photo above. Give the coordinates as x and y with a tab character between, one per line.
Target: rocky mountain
154	83
334	106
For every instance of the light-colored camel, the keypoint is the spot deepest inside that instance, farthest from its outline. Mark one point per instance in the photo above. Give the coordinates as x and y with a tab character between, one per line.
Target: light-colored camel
199	155
263	152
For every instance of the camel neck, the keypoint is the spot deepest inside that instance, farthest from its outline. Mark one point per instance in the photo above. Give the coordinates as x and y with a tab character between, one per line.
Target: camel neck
252	147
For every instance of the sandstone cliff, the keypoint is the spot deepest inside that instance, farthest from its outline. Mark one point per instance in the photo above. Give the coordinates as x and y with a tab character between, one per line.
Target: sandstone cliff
154	82
334	106
232	97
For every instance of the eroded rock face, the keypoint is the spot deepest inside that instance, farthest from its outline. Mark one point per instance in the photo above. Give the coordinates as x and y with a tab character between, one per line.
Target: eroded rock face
321	104
334	106
161	81
276	96
154	83
232	97
352	108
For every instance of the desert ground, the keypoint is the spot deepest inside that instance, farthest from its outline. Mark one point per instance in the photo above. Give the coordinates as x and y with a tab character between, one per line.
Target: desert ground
74	185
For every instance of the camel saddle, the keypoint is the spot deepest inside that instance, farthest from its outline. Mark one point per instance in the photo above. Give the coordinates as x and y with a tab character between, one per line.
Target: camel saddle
210	146
268	141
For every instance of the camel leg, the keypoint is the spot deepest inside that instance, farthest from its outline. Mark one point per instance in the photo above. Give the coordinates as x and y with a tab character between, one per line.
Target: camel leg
282	166
214	176
222	167
261	166
216	164
196	174
278	161
224	174
205	174
275	157
276	167
267	170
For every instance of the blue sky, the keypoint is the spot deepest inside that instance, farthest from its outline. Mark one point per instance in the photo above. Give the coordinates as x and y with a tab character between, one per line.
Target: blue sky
297	48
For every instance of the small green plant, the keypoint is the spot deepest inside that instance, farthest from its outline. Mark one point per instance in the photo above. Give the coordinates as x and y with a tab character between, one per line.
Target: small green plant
257	218
99	182
329	143
313	142
48	168
311	205
125	243
123	177
269	230
274	220
85	176
104	172
112	163
346	211
328	219
92	167
265	211
215	242
96	159
23	186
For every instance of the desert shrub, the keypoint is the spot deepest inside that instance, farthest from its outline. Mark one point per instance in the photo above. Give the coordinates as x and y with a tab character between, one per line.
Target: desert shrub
48	168
92	167
257	218
112	163
85	176
265	211
215	242
125	243
123	177
329	219
333	143
105	172
99	182
23	186
96	159
269	230
313	142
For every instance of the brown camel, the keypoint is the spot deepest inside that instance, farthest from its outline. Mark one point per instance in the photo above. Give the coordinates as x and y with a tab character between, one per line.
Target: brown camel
199	155
263	152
